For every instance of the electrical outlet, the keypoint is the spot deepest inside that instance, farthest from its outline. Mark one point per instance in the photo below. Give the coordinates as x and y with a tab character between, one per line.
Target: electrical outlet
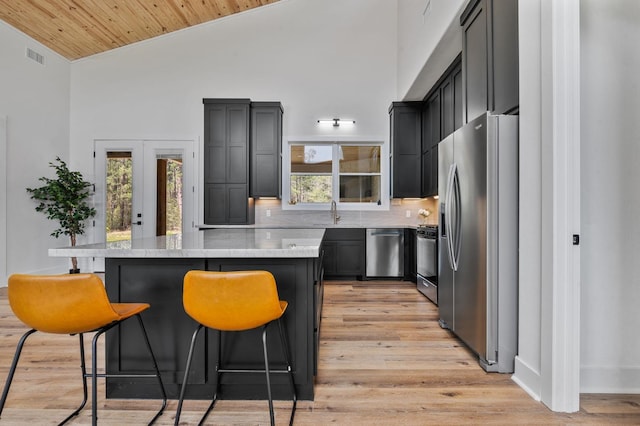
408	213
268	212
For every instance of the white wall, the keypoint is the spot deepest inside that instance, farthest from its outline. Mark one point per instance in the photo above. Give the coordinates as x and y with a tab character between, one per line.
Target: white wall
321	59
35	100
429	39
3	199
610	350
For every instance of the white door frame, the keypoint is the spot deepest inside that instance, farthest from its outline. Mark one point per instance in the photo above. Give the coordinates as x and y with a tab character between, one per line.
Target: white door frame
548	361
560	325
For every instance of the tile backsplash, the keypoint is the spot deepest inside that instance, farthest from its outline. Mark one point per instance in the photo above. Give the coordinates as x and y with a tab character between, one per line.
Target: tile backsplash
270	213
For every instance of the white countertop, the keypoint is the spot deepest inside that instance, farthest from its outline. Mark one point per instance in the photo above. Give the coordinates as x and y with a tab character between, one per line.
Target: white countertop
210	243
314	226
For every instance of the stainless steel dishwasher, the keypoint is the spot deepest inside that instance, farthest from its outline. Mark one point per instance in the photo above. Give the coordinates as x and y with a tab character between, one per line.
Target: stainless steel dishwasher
385	253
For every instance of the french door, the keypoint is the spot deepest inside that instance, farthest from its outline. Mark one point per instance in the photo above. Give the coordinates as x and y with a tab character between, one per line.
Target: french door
144	188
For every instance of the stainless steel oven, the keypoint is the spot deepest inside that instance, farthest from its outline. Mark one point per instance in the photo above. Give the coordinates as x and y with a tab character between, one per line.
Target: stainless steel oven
427	261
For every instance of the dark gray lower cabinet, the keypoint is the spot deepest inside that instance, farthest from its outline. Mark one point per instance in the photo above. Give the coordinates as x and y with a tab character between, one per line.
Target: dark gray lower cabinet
159	283
228	203
344	253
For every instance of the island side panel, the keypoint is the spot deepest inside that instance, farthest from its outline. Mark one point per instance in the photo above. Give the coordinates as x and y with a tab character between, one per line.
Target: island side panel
159	282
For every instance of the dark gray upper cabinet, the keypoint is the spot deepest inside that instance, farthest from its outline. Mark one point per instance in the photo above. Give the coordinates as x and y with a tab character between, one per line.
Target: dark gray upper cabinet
433	123
451	106
226	162
505	56
447	107
457	97
266	149
441	116
490	57
432	118
406	147
475	61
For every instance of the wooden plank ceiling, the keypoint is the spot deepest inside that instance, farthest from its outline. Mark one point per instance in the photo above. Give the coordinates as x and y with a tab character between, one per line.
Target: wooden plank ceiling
79	28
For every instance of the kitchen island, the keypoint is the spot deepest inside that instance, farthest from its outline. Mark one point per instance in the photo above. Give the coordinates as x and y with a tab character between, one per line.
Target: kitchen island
152	269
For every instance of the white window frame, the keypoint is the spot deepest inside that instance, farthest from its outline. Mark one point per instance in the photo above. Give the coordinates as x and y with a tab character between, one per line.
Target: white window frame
384	175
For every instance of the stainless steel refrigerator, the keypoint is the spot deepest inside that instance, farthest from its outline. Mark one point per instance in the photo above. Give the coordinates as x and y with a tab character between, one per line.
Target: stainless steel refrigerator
478	231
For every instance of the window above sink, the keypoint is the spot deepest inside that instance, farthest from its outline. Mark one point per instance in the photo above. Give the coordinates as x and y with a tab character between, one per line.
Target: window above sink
351	173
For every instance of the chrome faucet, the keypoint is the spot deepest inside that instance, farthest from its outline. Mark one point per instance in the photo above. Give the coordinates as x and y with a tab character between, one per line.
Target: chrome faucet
334	212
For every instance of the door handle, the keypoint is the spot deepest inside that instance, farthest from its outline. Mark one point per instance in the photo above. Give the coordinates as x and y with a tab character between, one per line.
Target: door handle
457	231
137	223
448	213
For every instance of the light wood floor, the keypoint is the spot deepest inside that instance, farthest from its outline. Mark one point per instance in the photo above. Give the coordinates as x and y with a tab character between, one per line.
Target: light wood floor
383	361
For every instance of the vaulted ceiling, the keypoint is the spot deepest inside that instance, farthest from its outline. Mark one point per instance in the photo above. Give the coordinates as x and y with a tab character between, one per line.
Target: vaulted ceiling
79	28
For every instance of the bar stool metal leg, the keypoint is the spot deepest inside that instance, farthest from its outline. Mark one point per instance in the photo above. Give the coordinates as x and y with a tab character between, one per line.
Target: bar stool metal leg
12	370
218	376
266	371
85	393
94	372
14	365
183	389
156	368
287	358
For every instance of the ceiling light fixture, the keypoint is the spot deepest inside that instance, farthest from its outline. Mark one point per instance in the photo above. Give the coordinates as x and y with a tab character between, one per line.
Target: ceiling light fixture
336	122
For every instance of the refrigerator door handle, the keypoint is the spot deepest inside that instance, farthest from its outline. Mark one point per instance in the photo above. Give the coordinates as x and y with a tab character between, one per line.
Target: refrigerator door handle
448	207
456	235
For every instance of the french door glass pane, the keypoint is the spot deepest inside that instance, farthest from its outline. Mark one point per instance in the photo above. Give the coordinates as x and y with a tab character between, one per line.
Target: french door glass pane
119	196
169	194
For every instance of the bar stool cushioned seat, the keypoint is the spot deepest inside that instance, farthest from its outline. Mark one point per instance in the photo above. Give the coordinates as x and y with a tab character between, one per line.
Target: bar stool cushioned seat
72	304
235	301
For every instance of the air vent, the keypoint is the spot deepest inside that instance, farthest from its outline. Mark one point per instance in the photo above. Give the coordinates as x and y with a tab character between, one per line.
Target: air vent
32	54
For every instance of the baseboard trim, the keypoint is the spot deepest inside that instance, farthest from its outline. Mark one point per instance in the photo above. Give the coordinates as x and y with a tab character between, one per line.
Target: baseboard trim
609	379
527	378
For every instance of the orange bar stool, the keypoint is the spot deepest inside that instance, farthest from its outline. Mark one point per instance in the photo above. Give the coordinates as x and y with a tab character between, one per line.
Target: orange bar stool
235	301
73	304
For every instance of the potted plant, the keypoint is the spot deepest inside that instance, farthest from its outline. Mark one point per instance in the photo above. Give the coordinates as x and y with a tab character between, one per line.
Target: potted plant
64	199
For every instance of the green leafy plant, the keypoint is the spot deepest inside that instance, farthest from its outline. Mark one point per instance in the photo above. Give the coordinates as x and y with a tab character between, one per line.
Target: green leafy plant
64	199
